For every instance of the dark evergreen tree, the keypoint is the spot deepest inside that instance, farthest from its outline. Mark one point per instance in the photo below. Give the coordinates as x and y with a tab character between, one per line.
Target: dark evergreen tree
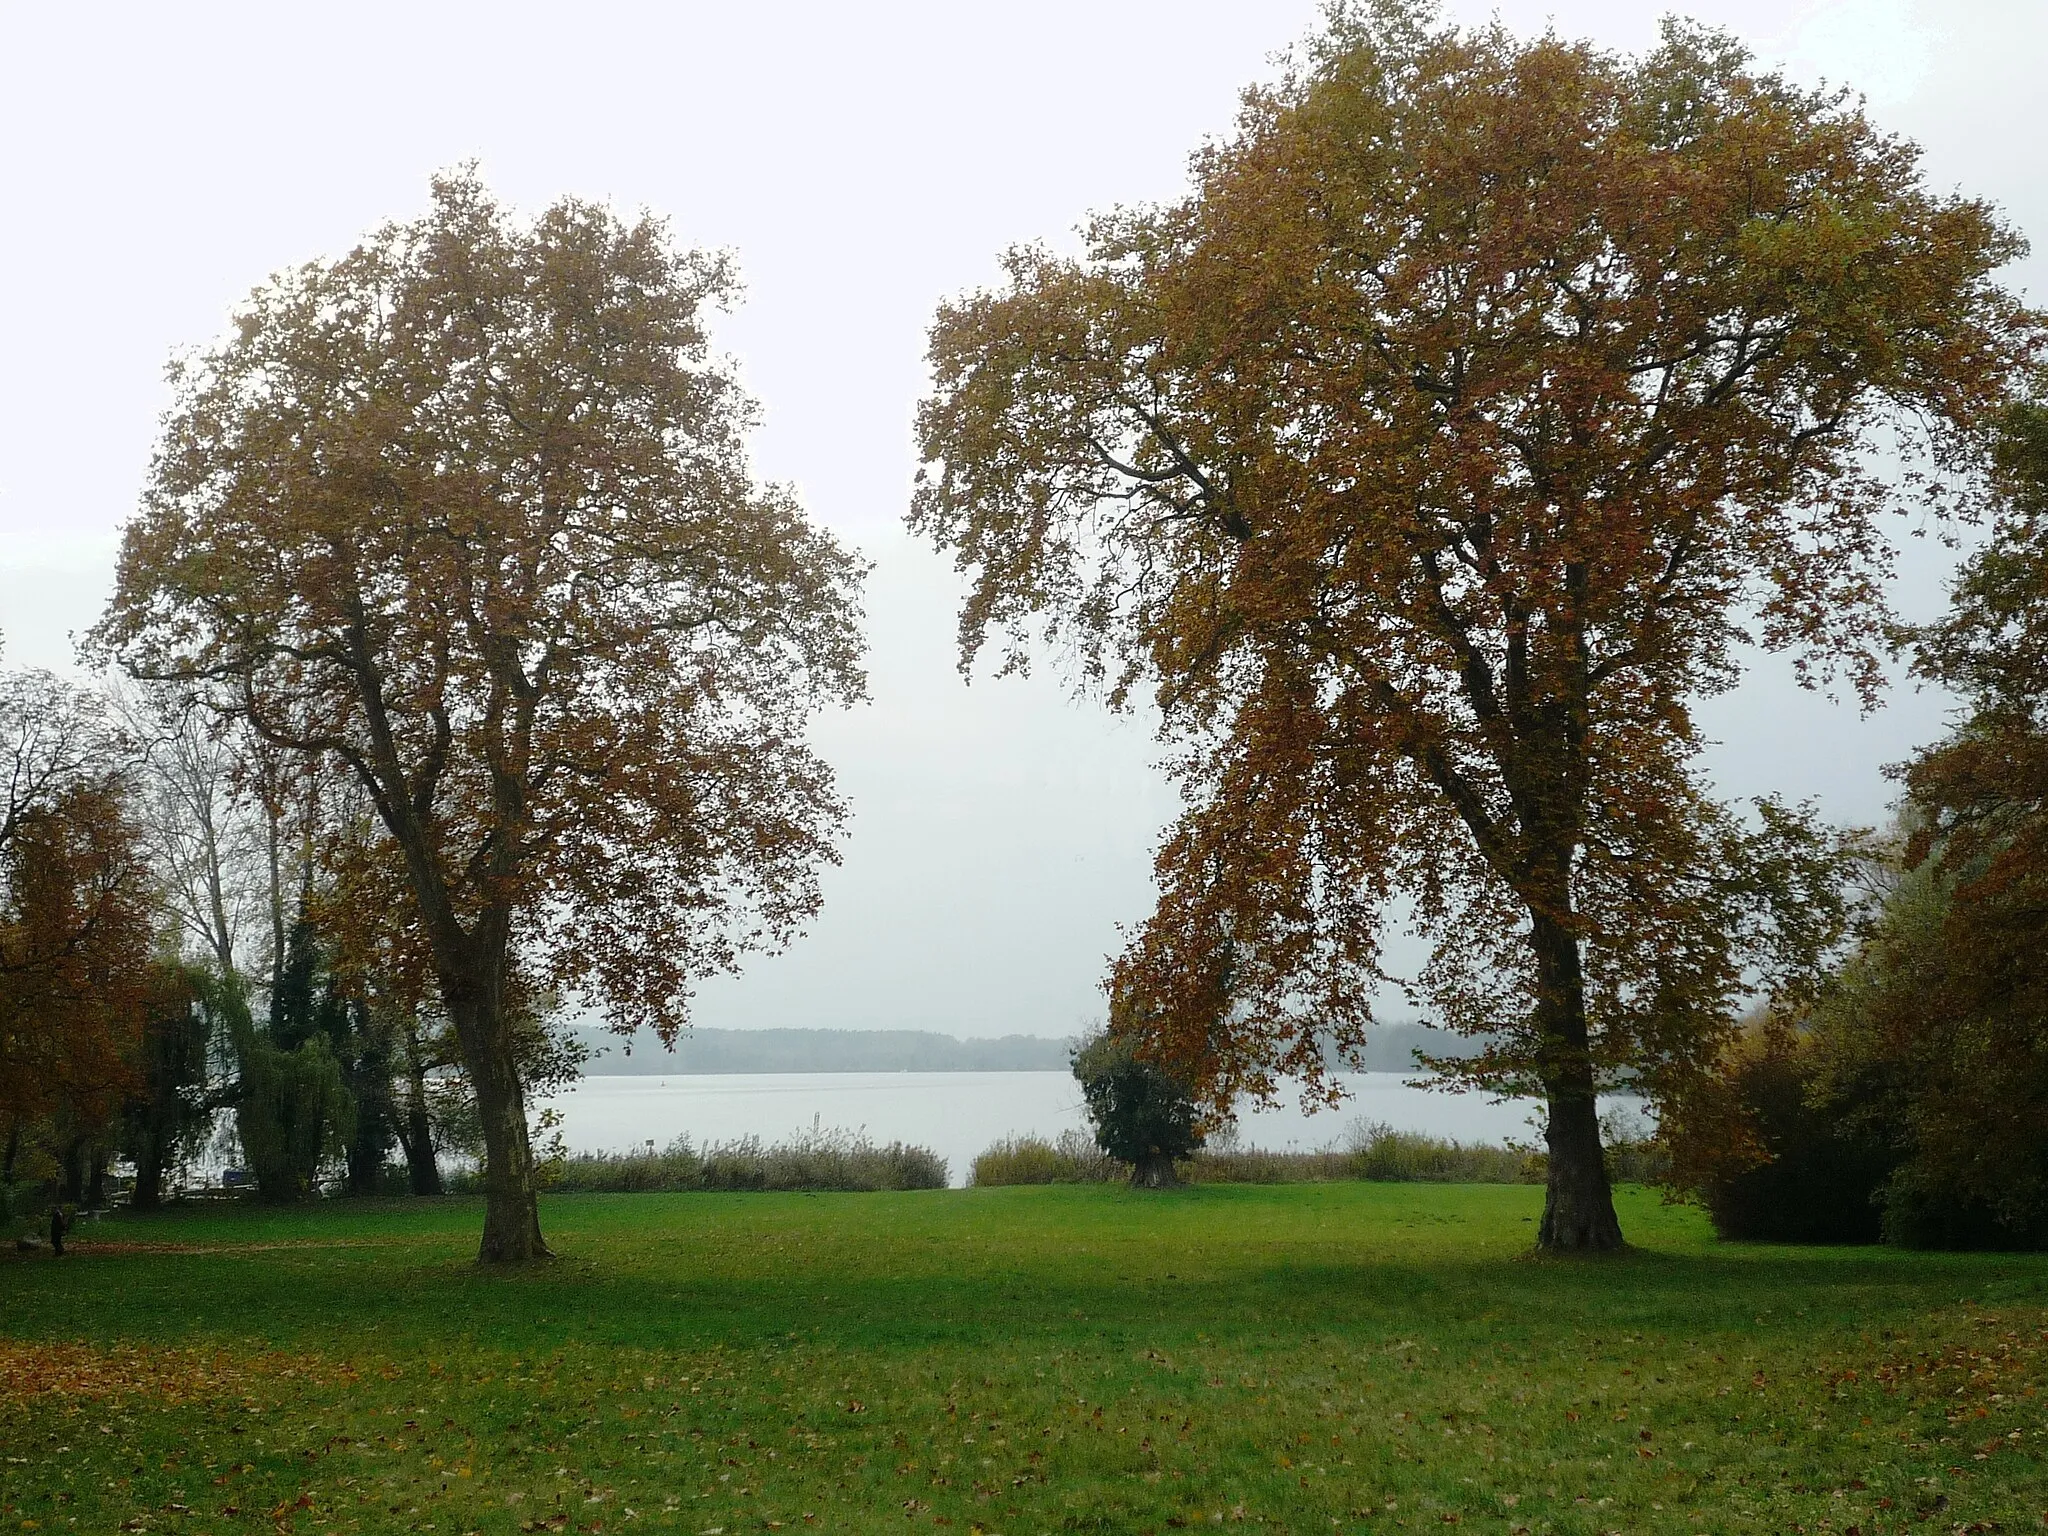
367	1061
414	1126
1142	1114
293	1109
171	1109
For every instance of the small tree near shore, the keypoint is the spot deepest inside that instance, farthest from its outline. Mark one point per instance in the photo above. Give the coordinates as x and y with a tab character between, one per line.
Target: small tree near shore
1143	1115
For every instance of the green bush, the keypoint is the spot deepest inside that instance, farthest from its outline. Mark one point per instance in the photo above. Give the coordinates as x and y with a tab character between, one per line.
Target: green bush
818	1159
1246	1165
1928	1040
1144	1116
1373	1151
1772	1165
1382	1153
1920	1213
20	1206
1073	1159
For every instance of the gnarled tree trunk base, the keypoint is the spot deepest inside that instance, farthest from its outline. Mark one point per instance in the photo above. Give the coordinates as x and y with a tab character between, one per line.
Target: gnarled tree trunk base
1154	1173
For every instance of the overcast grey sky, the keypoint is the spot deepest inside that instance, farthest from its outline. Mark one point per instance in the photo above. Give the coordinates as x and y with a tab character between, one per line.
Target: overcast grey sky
863	162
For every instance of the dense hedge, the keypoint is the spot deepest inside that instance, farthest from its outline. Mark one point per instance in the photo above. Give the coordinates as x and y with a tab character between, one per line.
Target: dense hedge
1918	1216
1787	1170
1809	1134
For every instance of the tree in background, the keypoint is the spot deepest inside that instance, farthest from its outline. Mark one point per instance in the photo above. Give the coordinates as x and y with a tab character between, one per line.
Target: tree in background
468	513
1142	1114
408	1051
405	1046
202	784
75	933
1923	1047
1938	1028
171	1108
1910	1099
1426	462
234	827
293	1105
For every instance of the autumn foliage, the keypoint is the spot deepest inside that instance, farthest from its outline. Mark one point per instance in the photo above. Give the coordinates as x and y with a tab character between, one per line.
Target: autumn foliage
1424	464
1933	1032
76	925
466	516
1968	1039
1909	1097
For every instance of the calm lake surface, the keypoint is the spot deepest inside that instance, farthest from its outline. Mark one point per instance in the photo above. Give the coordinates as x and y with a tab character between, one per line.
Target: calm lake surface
957	1114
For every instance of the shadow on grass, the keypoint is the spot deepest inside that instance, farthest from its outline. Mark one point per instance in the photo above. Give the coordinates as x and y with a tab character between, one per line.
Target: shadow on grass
1093	1267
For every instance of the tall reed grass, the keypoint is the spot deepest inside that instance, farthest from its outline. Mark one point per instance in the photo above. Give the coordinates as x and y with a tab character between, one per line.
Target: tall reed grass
1370	1151
817	1159
1072	1159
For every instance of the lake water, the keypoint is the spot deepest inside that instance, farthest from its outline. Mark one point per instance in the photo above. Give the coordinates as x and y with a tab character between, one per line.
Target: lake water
957	1114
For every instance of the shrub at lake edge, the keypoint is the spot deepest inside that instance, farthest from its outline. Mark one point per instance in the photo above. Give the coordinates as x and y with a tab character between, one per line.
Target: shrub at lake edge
1374	1152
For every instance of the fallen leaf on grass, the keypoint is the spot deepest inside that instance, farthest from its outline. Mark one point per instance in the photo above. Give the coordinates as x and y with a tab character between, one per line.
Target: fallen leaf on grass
29	1371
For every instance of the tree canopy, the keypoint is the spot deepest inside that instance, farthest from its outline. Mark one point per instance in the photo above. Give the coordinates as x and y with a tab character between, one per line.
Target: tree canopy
468	512
1427	462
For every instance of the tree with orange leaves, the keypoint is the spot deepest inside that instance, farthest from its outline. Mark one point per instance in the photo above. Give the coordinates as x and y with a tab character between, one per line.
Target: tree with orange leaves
467	513
76	919
1478	403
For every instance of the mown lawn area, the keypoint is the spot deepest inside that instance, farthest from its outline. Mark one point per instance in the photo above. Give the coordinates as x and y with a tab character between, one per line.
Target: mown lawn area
1322	1357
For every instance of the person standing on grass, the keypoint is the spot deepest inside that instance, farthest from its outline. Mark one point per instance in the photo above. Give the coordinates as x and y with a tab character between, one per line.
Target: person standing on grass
58	1227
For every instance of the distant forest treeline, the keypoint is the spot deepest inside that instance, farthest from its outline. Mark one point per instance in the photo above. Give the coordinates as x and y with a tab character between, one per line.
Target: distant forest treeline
1393	1049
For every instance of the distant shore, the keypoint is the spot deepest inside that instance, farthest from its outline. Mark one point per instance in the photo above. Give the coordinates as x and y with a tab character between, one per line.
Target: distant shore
709	1052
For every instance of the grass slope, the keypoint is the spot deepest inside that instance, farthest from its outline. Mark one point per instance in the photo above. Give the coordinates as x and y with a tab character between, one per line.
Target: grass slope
1343	1356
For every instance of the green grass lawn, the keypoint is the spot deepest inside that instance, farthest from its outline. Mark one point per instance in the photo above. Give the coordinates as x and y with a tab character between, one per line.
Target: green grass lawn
1313	1357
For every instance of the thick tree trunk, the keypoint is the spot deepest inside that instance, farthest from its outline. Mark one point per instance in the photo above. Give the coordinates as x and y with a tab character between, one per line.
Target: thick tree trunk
416	1132
13	1151
1578	1205
149	1171
365	1161
472	963
1154	1171
73	1188
511	1197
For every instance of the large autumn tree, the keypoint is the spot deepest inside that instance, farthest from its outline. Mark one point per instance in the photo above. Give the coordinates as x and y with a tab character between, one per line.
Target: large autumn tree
1425	462
468	512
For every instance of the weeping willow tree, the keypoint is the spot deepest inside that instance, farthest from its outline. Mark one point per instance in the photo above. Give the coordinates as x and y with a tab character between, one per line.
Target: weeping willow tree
293	1110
